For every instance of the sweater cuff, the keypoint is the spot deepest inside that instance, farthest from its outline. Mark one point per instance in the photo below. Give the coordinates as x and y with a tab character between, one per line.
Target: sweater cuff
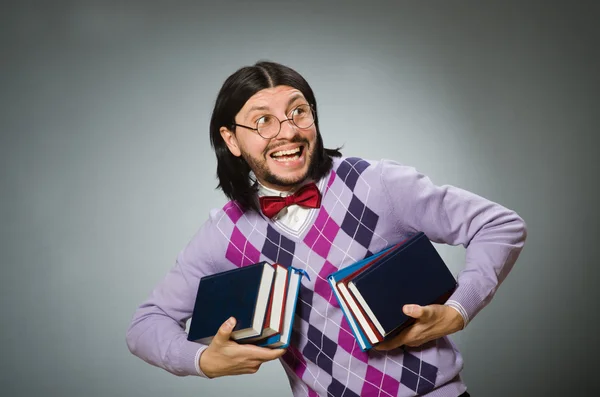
466	301
458	307
189	356
197	361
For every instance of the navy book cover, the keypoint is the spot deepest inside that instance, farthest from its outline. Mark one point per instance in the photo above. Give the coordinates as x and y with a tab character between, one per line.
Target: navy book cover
222	295
413	273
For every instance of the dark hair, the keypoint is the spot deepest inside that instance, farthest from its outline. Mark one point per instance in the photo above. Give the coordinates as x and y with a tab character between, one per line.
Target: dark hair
234	172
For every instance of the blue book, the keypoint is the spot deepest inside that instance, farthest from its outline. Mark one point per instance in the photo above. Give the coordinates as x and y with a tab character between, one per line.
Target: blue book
333	279
242	293
282	340
411	273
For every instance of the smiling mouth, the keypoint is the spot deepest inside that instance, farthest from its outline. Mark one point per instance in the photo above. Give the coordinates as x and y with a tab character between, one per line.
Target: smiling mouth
288	155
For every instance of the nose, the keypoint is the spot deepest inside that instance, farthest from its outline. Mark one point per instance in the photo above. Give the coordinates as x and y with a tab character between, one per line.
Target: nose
288	130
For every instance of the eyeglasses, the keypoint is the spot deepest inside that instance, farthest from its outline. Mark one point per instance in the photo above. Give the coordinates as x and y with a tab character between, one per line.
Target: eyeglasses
269	126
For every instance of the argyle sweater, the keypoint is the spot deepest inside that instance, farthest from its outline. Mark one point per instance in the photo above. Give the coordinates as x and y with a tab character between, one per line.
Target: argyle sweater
366	207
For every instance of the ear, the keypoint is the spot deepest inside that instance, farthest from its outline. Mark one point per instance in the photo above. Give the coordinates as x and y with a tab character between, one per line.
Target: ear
230	141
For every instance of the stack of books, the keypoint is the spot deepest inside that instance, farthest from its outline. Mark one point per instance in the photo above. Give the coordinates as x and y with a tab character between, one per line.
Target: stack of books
372	292
262	297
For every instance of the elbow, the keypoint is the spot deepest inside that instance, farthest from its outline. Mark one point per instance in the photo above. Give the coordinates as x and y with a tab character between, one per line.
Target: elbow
522	229
131	338
511	228
519	230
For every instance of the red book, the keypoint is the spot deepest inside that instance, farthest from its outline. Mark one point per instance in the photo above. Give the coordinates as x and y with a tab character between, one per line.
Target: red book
364	321
276	305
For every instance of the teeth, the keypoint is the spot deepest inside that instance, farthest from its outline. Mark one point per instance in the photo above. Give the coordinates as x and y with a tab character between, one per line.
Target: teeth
286	159
286	152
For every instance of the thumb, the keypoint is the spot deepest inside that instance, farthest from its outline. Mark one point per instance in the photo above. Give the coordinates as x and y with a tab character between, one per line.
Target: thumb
414	311
225	330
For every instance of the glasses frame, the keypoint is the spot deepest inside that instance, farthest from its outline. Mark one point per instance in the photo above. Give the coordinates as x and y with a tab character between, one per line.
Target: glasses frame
314	114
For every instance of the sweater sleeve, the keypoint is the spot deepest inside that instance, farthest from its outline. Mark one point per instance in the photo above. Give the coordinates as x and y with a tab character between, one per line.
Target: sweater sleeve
492	234
157	331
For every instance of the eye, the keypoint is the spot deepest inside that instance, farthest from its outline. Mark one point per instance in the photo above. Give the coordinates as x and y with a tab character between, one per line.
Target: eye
264	120
299	111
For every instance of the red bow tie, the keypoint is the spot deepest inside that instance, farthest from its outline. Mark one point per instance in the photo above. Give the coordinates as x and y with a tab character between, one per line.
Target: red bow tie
307	196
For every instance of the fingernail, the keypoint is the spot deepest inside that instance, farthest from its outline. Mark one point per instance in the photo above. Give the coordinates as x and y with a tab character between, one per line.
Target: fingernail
230	322
408	309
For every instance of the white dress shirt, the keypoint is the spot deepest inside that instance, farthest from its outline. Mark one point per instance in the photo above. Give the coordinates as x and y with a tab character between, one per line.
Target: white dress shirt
292	216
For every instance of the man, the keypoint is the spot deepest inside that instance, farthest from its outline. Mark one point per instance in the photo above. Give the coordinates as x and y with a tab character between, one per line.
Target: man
265	133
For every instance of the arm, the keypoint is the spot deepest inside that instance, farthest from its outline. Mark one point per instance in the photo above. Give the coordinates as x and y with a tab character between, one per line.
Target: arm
492	234
157	331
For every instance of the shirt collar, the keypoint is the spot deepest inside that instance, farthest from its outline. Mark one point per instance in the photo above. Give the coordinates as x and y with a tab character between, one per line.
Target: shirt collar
267	191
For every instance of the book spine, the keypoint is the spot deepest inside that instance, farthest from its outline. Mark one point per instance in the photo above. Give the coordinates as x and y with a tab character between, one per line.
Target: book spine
357	310
293	311
285	292
365	308
358	335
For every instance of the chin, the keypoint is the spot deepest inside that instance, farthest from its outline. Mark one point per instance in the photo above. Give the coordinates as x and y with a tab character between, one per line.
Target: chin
283	174
290	179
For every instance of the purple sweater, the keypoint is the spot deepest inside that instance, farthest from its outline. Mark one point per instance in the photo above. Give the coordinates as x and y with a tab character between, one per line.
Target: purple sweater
366	206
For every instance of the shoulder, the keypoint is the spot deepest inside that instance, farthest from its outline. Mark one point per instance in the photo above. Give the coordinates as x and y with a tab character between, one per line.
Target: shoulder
228	216
213	239
231	211
345	162
354	167
379	178
218	226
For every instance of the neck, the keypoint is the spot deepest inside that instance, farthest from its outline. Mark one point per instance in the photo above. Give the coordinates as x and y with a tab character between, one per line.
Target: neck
268	188
283	189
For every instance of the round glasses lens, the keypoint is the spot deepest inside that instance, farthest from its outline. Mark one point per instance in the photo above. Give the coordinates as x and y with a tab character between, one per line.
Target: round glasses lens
303	116
268	126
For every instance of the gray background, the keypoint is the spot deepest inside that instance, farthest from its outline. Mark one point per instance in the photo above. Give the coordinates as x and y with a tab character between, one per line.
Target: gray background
106	169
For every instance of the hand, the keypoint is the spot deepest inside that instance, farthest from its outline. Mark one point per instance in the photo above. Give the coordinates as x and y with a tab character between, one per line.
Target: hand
225	357
432	322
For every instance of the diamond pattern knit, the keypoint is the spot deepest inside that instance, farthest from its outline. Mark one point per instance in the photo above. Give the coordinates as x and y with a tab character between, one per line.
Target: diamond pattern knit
366	206
325	357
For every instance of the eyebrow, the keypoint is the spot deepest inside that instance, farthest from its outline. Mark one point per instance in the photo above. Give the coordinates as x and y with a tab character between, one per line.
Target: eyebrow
253	108
293	99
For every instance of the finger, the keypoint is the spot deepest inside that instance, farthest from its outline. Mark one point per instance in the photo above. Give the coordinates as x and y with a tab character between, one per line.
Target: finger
416	311
267	354
263	353
395	342
224	332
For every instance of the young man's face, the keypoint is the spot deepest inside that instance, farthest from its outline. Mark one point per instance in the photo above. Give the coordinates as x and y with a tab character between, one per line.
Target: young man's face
281	162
